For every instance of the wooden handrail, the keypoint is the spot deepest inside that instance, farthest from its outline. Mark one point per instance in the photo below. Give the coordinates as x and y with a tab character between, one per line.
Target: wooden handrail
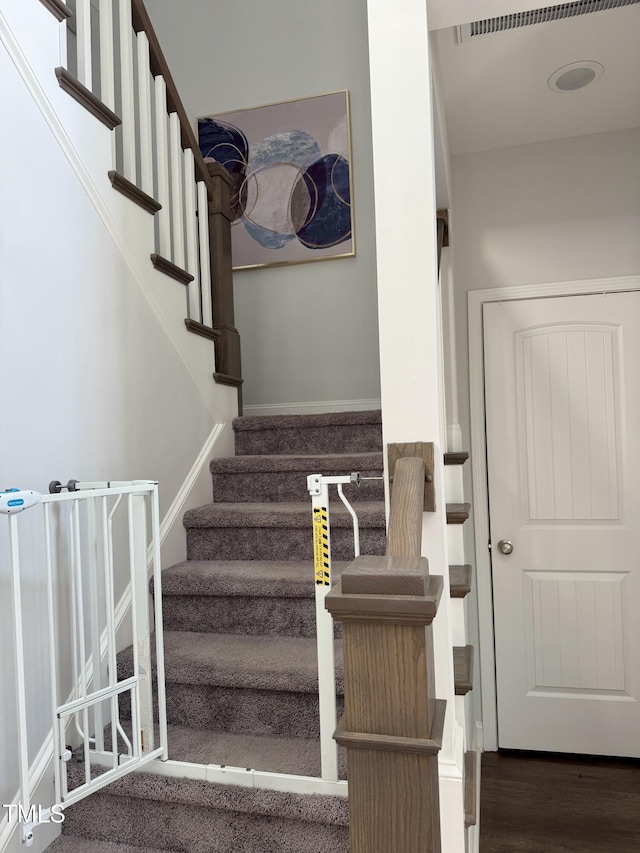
392	725
404	537
219	187
142	22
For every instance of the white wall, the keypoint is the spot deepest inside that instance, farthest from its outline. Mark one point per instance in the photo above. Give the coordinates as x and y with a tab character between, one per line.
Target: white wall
309	331
95	380
553	211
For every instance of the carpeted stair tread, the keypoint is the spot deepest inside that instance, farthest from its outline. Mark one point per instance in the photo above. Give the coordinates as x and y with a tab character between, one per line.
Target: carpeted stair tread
283	478
370	514
316	808
297	422
250	662
79	844
248	578
339	432
338	463
297	756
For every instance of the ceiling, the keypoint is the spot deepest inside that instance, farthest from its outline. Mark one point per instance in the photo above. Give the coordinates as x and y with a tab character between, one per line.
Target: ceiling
495	89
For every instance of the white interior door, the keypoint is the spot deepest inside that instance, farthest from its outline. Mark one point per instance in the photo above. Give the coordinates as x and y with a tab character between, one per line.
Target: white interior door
562	391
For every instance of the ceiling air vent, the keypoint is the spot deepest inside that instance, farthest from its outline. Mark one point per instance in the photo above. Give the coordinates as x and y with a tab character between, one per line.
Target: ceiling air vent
491	26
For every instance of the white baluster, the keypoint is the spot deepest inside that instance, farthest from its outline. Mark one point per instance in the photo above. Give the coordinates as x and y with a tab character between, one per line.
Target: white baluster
192	234
107	72
177	190
205	263
127	91
83	41
162	165
144	104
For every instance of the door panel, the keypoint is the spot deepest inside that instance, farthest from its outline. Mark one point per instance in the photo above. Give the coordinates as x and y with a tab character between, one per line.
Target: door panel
563	411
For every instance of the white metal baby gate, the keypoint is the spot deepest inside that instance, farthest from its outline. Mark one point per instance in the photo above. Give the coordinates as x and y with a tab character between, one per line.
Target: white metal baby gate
89	539
91	547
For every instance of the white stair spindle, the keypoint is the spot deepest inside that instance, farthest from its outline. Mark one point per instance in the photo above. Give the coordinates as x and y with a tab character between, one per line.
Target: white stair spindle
107	66
162	165
83	41
205	263
192	234
127	91
144	104
177	190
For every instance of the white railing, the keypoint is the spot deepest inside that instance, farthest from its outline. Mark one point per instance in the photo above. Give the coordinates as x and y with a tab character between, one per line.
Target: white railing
153	149
94	544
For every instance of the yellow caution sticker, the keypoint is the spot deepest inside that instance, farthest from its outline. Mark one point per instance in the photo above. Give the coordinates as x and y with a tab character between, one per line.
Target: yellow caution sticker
321	546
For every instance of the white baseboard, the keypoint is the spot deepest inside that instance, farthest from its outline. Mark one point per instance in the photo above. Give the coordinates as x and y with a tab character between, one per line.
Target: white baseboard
174	513
320	407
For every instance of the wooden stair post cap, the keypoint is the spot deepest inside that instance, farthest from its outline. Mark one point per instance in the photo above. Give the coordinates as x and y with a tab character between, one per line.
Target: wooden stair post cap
386	589
386	576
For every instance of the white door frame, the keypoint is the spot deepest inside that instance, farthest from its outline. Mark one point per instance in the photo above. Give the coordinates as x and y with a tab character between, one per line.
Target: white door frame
476	300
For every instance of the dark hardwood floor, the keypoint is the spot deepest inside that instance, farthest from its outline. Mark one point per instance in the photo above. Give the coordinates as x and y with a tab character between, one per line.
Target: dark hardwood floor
542	803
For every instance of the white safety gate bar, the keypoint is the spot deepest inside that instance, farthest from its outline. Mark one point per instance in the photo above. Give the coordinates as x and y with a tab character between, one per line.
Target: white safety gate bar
90	554
318	487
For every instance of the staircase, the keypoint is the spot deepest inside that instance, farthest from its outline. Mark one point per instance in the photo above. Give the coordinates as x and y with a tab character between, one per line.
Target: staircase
239	620
240	650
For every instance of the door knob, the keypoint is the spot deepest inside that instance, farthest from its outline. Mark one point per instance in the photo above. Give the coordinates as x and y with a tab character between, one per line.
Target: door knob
505	547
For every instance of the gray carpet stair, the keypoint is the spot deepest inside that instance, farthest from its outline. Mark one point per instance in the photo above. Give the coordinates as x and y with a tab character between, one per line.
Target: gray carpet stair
78	844
187	816
240	650
342	432
242	597
277	531
273	753
284	478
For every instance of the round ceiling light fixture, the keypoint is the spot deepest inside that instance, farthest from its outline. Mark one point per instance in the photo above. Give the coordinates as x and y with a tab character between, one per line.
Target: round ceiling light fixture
575	76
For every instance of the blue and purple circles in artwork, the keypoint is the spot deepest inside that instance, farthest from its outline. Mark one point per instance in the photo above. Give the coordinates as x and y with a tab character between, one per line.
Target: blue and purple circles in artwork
225	143
323	190
287	189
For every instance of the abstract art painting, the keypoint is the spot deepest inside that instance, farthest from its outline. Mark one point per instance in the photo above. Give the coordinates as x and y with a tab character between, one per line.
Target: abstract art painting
291	165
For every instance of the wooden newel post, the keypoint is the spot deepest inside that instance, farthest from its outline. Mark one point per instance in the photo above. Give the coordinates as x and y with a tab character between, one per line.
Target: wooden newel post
228	364
392	725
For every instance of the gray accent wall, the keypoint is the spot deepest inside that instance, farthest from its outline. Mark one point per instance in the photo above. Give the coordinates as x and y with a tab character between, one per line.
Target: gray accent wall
309	331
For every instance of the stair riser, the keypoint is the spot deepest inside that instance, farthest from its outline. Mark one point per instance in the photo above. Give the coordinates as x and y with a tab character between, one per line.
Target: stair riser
229	709
288	617
269	543
261	487
359	438
238	711
195	829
